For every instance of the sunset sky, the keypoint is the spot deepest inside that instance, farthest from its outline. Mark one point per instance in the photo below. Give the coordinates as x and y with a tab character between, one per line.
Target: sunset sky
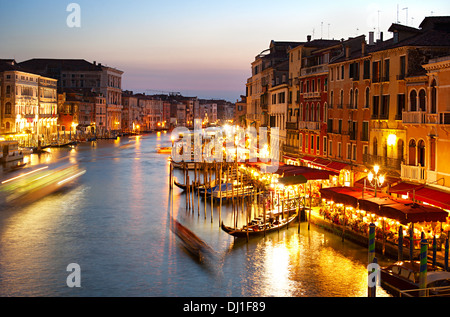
197	47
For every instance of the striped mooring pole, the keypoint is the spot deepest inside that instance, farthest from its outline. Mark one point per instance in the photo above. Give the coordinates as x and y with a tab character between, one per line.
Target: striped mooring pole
434	250
446	255
423	265
371	291
371	242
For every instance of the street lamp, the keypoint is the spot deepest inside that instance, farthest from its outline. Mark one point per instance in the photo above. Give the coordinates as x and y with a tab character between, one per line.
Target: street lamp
375	180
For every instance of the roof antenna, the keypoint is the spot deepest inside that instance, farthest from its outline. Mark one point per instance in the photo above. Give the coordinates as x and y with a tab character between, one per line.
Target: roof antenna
406	15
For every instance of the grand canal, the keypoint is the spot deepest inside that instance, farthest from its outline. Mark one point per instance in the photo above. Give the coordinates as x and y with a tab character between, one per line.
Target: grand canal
114	222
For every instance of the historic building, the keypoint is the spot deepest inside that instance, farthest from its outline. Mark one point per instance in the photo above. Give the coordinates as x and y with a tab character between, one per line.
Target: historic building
28	103
81	74
269	69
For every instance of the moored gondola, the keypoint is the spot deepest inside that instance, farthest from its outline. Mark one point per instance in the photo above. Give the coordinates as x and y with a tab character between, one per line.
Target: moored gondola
256	227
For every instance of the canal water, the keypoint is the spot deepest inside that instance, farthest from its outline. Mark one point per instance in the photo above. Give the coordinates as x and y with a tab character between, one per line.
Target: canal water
114	222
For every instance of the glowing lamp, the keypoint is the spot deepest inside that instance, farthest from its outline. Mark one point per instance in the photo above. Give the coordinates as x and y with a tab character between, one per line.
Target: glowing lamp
391	140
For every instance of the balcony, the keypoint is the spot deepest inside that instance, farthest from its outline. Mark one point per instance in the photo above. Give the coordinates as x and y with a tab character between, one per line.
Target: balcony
313	125
382	161
414	117
314	70
414	173
422	117
309	95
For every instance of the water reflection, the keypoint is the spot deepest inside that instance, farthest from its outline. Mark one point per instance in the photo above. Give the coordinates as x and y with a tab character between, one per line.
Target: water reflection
114	221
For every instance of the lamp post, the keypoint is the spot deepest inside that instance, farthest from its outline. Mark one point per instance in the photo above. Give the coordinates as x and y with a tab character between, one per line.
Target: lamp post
376	180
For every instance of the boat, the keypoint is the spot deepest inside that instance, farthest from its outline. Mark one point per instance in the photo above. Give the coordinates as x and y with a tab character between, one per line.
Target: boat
164	150
403	278
9	151
183	165
256	226
226	190
33	185
191	242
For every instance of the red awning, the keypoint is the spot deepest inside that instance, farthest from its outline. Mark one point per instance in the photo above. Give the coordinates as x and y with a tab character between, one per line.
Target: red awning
321	161
423	193
372	204
344	195
308	158
336	166
433	196
406	213
404	187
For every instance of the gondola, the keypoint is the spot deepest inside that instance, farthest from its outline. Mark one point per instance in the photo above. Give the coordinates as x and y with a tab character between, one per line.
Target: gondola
256	227
182	165
191	242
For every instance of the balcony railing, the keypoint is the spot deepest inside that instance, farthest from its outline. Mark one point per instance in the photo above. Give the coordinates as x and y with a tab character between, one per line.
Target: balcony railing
422	117
314	70
314	94
383	161
414	117
414	173
313	125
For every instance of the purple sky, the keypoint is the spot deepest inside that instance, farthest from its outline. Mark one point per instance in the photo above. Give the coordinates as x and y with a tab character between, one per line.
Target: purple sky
198	47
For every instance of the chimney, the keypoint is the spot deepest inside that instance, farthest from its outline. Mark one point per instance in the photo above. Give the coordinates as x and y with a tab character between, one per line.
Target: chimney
363	48
381	36
308	38
95	63
371	38
347	51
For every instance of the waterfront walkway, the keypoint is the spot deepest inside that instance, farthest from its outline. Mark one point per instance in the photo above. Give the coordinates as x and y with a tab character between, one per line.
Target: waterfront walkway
391	249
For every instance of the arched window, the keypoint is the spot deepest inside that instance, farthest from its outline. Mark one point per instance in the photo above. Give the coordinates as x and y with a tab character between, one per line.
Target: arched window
325	112
351	98
331	99
307	112
400	150
8	108
412	153
301	113
413	100
367	98
422	100
341	99
356	99
433	97
421	153
317	112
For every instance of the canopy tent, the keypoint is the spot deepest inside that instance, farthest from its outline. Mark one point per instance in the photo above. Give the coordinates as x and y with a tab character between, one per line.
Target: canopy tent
291	170
344	195
327	164
292	180
412	212
423	193
405	211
